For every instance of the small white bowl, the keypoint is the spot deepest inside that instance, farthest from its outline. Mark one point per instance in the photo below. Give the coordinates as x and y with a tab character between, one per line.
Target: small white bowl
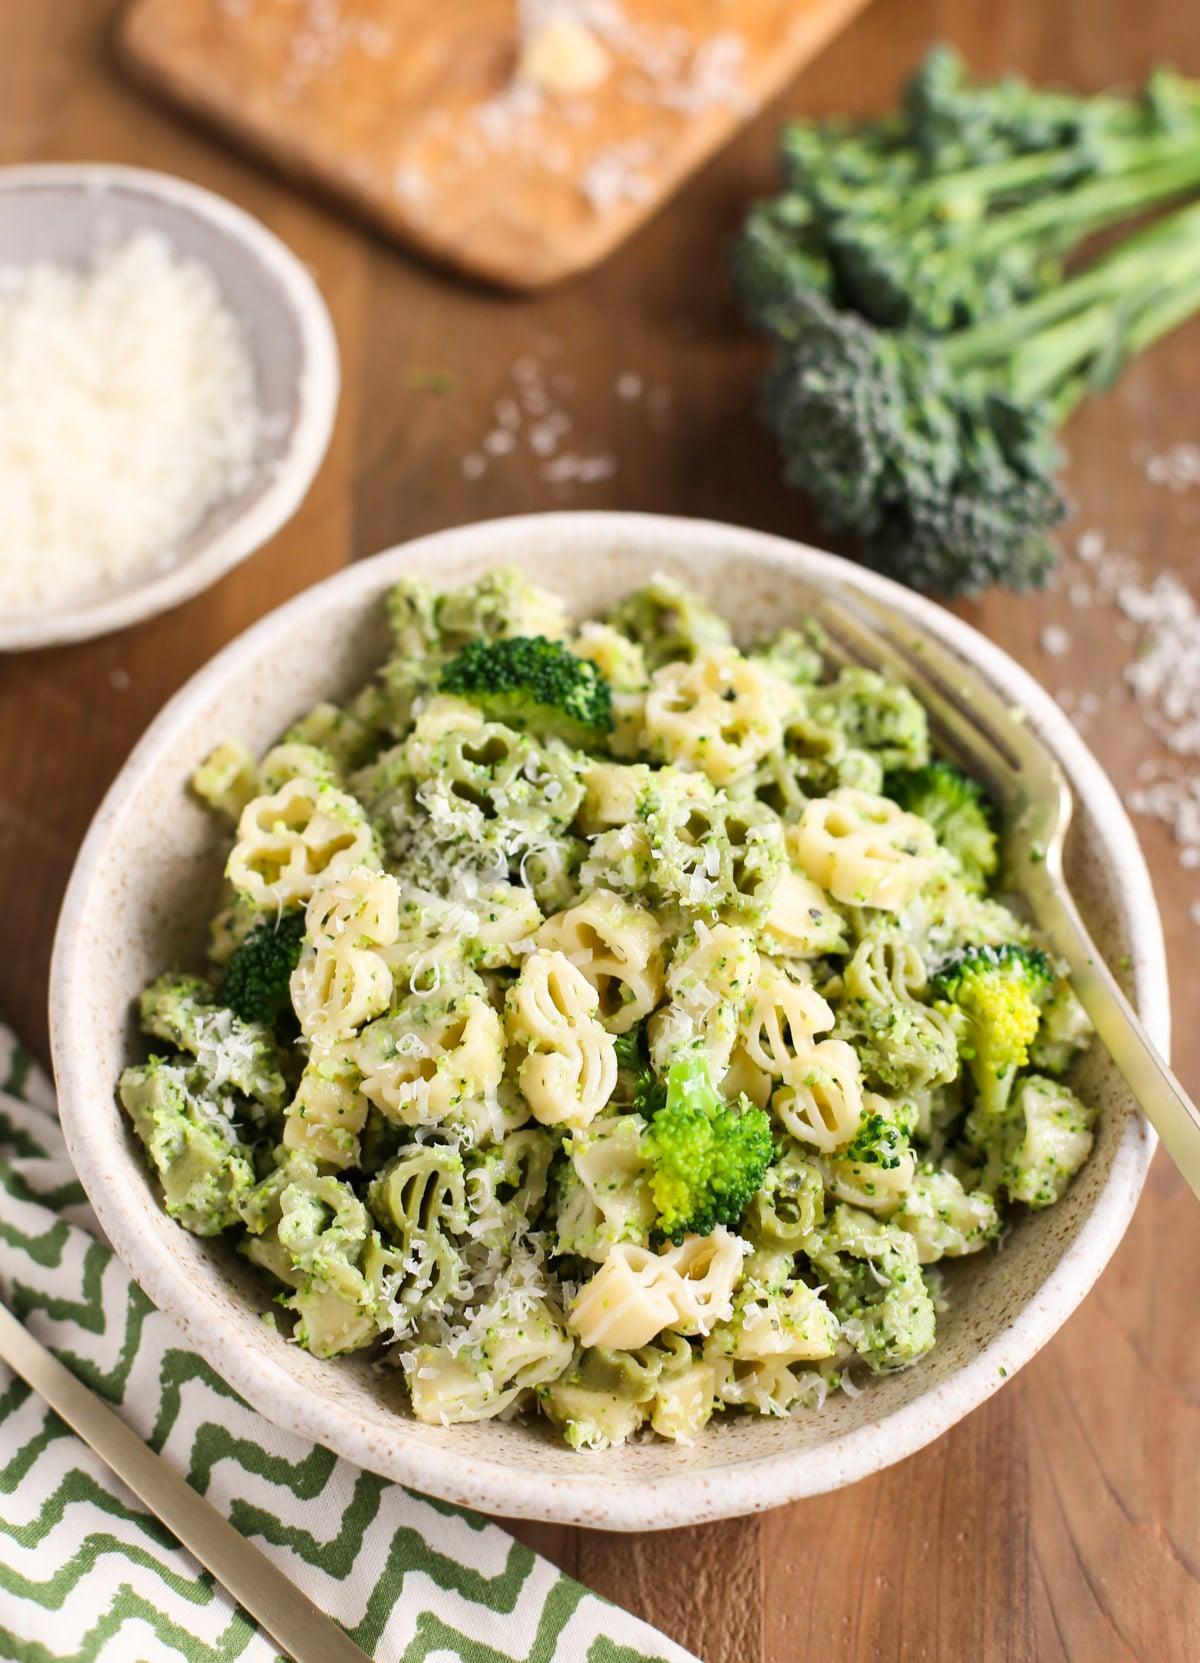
64	213
146	882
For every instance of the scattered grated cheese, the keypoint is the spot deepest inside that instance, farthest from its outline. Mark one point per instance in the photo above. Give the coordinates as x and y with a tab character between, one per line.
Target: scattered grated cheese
1178	468
127	410
1055	640
1158	618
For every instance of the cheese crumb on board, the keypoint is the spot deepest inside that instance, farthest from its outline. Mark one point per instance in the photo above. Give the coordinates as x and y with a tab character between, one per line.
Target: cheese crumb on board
563	58
127	411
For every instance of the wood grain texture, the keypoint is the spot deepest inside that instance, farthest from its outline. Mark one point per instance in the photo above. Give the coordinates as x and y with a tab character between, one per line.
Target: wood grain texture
1059	1524
410	111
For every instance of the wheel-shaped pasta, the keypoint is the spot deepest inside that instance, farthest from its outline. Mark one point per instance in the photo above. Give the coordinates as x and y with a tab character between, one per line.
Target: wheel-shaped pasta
342	981
612	792
475	1381
315	1234
473	776
288	841
623	664
637	1293
770	1386
506	1185
295	760
227	779
684	1402
865	850
419	1202
902	1043
712	976
435	1058
618	947
719	715
780	1020
327	1114
605	1197
801	922
568	1065
791	1323
821	1103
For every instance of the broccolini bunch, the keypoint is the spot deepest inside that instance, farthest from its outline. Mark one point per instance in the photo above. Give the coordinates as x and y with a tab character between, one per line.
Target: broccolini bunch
927	344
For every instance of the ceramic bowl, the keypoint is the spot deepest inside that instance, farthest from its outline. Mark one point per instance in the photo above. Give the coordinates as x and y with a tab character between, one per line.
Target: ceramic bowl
145	885
64	213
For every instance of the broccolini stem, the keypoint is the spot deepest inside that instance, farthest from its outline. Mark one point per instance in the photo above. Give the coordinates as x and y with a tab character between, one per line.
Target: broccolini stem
1146	256
1099	202
1106	331
1157	319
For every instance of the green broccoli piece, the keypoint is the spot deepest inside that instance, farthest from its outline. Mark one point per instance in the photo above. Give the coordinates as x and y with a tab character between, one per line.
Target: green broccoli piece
708	1158
992	996
1065	1031
528	681
960	813
1035	1149
255	984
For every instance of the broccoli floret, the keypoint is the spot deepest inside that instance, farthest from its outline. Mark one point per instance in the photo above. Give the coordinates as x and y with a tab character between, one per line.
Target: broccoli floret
707	1157
528	681
1065	1031
255	984
959	812
779	250
992	997
941	454
1034	1150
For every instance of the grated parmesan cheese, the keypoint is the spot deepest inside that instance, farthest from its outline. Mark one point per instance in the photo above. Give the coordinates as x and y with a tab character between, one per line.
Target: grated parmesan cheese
127	410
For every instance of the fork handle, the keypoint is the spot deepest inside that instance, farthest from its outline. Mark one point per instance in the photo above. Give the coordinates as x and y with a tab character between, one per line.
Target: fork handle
1164	1102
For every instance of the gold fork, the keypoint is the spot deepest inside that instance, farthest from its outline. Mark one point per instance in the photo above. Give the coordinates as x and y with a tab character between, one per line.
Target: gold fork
978	728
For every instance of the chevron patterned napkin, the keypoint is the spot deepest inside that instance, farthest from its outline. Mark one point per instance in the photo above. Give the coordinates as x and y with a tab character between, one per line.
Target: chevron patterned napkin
86	1573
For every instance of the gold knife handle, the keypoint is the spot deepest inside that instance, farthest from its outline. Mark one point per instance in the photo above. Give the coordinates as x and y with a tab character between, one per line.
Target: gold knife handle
263	1591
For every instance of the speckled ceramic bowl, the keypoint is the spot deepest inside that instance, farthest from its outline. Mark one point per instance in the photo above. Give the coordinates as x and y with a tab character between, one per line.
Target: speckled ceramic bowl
65	213
144	887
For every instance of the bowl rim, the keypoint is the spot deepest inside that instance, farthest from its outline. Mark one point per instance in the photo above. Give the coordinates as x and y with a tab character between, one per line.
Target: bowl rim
632	1503
317	383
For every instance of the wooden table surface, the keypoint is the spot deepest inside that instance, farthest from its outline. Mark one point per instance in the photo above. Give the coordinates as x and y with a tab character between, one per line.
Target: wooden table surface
1060	1521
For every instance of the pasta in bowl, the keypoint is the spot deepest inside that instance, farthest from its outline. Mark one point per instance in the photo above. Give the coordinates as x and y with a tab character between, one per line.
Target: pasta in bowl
610	1024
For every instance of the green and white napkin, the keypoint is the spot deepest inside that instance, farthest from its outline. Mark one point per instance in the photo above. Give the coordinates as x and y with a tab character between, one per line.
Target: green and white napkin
86	1573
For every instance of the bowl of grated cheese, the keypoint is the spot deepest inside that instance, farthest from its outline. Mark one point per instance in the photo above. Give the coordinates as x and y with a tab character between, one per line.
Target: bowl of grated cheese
168	382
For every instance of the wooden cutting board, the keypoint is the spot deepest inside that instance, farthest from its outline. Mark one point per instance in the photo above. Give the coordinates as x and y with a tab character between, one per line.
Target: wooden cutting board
418	113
